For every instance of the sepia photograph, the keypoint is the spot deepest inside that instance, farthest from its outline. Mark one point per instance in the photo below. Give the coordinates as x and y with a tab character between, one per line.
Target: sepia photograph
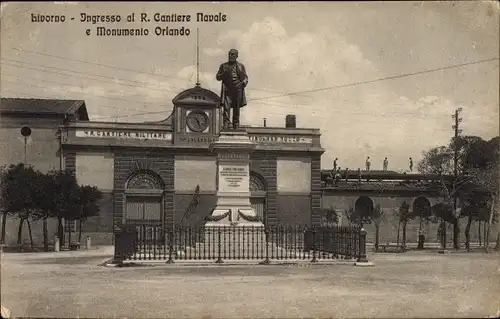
250	159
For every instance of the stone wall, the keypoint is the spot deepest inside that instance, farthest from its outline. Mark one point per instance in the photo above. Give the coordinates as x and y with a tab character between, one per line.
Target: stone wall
42	147
389	203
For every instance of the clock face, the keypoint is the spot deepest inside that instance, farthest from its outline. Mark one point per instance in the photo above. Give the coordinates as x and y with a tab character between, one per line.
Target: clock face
197	121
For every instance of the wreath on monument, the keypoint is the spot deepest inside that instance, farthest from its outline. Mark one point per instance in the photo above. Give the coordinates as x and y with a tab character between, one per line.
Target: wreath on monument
211	218
249	218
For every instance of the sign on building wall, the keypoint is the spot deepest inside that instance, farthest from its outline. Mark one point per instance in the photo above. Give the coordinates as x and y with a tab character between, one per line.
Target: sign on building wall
280	139
121	134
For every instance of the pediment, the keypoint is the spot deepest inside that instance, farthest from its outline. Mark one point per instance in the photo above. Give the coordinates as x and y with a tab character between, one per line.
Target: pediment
196	96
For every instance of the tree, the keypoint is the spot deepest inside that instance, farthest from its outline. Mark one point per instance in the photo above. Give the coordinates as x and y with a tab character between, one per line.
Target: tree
17	196
475	208
436	161
89	197
66	198
481	162
377	217
5	213
472	153
404	216
44	202
439	161
488	178
350	215
330	217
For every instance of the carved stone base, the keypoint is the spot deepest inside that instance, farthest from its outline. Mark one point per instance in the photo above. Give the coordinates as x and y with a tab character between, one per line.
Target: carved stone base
233	216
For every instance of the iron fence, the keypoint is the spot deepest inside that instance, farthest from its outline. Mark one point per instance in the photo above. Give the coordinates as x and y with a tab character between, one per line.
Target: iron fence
140	242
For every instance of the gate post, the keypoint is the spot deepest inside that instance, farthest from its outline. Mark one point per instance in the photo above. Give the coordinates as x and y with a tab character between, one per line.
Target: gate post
314	246
266	261
362	260
119	249
362	246
170	246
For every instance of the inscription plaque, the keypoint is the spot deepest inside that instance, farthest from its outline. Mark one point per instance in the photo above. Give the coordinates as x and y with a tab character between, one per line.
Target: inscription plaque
233	175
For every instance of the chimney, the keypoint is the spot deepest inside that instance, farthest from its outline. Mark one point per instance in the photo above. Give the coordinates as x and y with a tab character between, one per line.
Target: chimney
265	122
290	121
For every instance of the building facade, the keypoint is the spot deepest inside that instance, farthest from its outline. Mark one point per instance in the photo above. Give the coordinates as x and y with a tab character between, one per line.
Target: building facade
364	190
163	172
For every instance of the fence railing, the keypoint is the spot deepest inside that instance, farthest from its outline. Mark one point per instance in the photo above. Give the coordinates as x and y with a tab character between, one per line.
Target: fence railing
139	242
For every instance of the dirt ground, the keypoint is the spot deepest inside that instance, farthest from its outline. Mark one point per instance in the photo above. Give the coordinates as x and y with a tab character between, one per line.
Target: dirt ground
414	284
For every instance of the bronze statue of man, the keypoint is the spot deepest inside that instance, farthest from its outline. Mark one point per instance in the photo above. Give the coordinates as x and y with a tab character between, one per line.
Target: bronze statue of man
234	80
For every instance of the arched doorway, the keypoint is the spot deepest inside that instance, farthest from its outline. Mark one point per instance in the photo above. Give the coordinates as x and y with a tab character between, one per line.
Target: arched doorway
363	208
258	190
422	209
144	199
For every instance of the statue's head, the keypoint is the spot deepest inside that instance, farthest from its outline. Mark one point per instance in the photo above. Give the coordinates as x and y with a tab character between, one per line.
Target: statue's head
232	55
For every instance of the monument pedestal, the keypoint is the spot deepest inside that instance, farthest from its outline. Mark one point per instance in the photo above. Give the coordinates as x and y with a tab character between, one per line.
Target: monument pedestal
233	206
233	230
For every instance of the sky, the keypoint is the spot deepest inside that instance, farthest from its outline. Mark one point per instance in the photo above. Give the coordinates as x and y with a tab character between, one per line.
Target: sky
353	57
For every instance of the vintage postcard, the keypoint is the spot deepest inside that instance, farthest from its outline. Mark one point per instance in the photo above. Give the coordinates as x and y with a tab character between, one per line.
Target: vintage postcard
250	159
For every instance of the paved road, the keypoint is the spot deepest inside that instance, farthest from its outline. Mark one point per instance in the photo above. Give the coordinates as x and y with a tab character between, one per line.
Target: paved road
415	284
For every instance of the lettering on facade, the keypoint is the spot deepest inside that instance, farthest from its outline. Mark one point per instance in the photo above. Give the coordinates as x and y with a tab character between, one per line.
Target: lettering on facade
233	175
125	135
201	139
280	139
231	156
196	139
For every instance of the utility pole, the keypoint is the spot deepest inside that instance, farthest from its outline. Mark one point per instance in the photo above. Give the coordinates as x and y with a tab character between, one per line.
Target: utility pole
458	120
455	127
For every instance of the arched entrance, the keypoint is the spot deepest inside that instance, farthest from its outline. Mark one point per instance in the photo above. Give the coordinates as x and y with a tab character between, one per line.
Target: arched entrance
364	208
144	199
258	190
422	207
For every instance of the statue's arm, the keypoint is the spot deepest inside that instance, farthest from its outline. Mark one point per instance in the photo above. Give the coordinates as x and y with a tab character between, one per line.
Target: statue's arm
244	76
220	73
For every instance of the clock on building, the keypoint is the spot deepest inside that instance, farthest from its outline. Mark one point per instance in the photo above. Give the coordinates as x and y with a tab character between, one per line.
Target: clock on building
197	121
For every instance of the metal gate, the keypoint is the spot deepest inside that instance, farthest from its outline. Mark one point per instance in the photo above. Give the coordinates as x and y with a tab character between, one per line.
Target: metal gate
259	206
143	210
146	213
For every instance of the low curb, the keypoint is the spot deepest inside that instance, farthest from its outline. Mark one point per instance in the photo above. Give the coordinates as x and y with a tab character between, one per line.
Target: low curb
364	264
212	263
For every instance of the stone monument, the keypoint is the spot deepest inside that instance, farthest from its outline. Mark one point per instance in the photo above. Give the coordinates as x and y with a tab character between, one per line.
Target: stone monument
233	206
233	226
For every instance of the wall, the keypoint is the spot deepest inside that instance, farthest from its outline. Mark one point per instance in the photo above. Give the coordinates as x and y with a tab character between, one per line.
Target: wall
197	217
127	162
12	226
294	180
264	163
341	201
43	154
42	149
191	171
103	222
293	175
294	210
95	169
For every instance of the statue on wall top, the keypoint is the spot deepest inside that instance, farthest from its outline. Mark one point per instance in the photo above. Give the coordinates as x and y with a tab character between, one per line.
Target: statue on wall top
234	79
